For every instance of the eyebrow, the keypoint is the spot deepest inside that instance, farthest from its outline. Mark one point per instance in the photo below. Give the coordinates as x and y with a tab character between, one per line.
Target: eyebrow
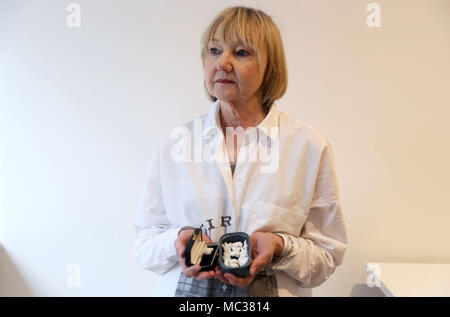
235	43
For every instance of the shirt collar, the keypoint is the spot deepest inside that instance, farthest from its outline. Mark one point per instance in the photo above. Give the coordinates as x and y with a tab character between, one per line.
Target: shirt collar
212	121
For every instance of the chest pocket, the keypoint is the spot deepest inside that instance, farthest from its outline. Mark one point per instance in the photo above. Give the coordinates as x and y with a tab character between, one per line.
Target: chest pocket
267	217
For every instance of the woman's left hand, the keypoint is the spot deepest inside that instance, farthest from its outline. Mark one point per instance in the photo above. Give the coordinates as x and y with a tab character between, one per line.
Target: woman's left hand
265	245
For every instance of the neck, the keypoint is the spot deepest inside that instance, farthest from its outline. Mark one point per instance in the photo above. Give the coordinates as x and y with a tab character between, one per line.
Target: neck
235	114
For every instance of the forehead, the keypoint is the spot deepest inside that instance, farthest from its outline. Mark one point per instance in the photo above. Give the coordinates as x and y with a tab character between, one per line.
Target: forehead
234	42
231	33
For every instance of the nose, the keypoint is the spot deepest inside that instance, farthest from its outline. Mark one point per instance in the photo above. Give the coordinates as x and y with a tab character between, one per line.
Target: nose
224	62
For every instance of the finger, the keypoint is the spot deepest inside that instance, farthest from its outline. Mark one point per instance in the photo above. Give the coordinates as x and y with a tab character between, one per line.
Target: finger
253	238
211	274
206	239
218	274
221	277
254	253
182	250
223	280
260	262
191	270
239	281
180	247
204	275
182	261
226	280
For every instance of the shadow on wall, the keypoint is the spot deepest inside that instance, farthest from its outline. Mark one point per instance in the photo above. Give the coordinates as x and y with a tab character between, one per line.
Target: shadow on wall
362	290
11	281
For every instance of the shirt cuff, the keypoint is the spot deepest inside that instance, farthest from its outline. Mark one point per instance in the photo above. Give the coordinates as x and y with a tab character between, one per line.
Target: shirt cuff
287	245
170	244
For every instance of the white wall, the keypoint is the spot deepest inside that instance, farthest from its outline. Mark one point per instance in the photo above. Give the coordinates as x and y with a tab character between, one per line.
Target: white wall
82	110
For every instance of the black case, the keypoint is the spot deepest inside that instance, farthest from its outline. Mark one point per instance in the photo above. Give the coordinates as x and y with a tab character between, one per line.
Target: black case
209	262
241	271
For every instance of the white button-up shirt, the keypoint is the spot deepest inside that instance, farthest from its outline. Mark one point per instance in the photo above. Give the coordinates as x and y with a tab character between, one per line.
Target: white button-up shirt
284	182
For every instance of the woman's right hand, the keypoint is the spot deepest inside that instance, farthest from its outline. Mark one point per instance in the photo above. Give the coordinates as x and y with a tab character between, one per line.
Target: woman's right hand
194	270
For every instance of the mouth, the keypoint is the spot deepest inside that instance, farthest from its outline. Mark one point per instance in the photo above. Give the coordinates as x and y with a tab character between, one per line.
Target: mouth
225	81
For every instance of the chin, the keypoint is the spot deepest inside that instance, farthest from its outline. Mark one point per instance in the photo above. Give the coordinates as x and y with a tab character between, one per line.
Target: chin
225	97
227	100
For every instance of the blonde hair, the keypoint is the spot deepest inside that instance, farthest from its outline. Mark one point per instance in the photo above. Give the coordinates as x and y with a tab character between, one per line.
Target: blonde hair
256	29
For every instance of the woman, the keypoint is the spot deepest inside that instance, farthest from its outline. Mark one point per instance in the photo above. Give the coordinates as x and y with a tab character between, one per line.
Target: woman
260	171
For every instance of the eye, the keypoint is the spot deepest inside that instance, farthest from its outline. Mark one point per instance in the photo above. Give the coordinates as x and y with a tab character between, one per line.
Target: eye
242	53
214	51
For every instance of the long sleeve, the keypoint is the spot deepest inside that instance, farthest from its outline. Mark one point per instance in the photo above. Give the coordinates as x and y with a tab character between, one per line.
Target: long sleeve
154	248
314	256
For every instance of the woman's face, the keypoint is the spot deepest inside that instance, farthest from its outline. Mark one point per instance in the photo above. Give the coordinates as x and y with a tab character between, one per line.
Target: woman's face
237	63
